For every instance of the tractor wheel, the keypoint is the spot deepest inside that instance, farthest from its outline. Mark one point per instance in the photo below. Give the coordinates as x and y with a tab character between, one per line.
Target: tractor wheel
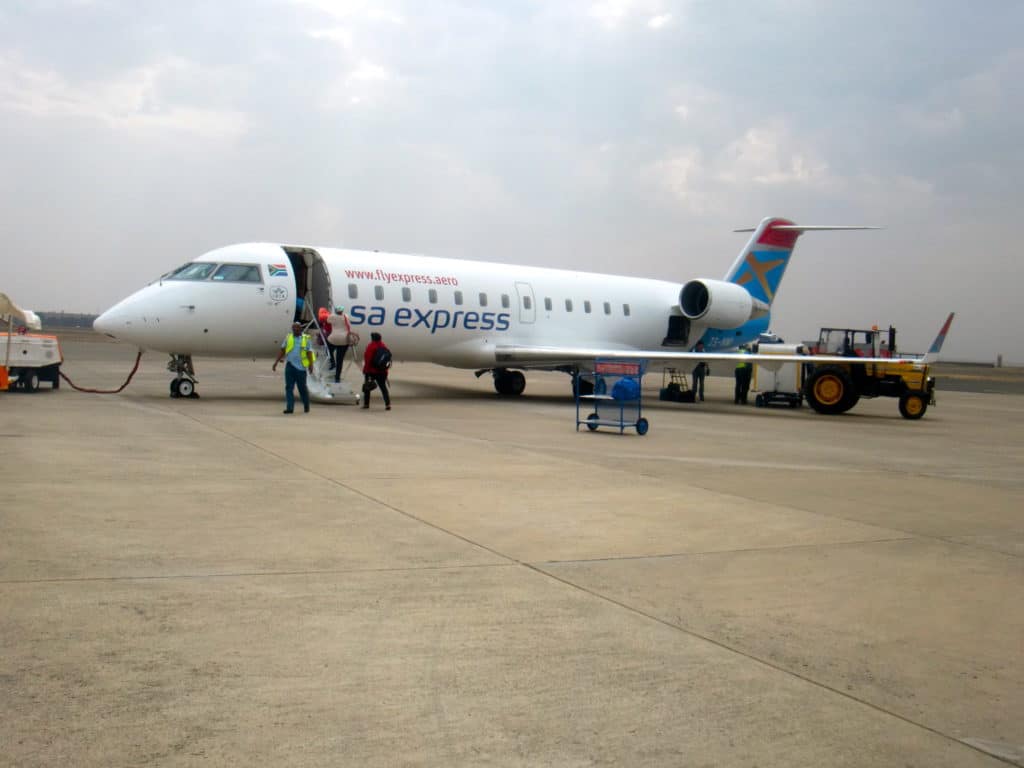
913	405
830	390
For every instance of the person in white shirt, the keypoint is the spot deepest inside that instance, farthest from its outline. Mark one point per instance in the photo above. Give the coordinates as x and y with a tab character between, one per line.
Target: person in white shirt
340	339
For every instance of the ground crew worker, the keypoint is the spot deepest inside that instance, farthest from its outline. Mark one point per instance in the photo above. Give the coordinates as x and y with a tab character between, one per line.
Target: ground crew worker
699	372
744	370
296	348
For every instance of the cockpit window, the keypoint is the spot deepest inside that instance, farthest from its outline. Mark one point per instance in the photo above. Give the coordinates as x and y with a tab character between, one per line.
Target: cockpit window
194	270
238	273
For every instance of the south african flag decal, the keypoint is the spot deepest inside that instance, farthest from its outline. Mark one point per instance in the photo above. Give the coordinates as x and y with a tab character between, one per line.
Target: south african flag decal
277	270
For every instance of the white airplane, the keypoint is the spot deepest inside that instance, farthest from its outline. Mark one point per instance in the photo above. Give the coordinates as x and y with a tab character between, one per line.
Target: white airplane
239	301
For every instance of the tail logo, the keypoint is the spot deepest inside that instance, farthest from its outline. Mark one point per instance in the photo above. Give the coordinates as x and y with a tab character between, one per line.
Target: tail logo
760	269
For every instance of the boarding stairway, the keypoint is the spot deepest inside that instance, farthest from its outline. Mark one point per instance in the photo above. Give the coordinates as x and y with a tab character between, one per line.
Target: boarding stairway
322	386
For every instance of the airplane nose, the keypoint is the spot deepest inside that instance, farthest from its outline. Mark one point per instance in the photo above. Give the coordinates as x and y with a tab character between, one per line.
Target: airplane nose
107	323
120	321
102	324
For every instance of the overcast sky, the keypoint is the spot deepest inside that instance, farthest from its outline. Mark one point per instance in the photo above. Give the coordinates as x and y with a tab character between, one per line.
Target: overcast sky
624	136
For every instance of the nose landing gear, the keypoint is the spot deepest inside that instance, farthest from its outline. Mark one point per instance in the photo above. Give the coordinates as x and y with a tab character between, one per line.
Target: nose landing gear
184	383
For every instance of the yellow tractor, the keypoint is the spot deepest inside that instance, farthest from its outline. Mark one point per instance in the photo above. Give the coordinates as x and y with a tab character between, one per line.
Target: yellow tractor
836	387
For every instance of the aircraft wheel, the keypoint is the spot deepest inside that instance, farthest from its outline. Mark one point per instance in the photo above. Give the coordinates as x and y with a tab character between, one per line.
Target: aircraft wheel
830	390
185	388
510	383
592	422
913	405
174	387
642	426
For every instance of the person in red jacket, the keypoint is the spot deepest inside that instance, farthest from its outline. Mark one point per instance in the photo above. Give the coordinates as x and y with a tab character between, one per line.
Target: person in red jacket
376	362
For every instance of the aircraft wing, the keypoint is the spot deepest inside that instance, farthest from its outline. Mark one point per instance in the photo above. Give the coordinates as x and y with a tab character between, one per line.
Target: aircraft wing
544	357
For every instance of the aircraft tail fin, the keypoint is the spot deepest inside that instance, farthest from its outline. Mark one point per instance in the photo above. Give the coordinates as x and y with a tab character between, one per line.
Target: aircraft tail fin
762	262
933	351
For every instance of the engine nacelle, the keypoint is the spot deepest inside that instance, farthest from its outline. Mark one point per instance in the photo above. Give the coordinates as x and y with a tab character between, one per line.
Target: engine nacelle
719	304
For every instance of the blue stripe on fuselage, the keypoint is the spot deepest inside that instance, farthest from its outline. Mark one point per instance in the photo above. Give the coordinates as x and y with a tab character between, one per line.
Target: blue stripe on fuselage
718	339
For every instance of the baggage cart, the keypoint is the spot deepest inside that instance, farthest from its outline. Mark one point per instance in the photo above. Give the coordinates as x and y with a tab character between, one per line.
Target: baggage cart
617	399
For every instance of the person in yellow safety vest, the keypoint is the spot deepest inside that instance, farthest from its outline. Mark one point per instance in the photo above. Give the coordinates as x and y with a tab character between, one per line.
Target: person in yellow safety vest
744	370
299	362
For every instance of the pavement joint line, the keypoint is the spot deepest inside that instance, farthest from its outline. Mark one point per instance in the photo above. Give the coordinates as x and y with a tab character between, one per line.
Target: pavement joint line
766	663
976	545
909	535
510	562
256	574
741	550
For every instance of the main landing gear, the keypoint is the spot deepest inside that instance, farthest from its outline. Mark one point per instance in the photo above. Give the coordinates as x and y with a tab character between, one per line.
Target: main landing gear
184	382
506	383
509	383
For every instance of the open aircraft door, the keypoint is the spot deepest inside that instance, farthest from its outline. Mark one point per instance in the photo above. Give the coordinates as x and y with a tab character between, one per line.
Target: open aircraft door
312	280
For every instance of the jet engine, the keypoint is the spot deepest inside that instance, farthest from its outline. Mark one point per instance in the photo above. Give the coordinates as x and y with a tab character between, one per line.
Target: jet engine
719	304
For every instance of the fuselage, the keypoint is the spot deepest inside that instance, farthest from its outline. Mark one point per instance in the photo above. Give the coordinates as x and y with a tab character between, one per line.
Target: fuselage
239	301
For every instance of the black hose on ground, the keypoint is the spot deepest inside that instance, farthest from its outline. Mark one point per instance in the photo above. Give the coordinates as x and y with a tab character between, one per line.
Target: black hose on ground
75	387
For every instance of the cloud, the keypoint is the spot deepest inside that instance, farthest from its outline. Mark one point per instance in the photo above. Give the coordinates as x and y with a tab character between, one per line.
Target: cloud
766	155
131	101
683	174
340	36
708	179
612	13
353	9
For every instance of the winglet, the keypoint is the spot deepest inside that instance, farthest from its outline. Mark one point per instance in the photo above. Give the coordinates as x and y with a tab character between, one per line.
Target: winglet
933	351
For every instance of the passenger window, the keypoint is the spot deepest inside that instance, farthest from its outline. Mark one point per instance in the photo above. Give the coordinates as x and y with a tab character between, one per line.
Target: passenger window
504	300
407	294
195	270
458	298
607	308
378	292
432	295
527	304
568	305
586	306
238	273
547	304
625	310
353	291
483	299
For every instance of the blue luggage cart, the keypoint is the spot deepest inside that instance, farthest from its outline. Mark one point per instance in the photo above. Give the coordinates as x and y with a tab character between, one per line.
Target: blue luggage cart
617	399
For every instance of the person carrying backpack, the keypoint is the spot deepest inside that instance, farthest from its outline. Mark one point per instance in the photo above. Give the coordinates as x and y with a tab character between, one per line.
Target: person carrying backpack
376	362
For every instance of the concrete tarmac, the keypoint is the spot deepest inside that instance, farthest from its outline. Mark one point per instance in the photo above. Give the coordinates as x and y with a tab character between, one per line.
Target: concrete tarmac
468	580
